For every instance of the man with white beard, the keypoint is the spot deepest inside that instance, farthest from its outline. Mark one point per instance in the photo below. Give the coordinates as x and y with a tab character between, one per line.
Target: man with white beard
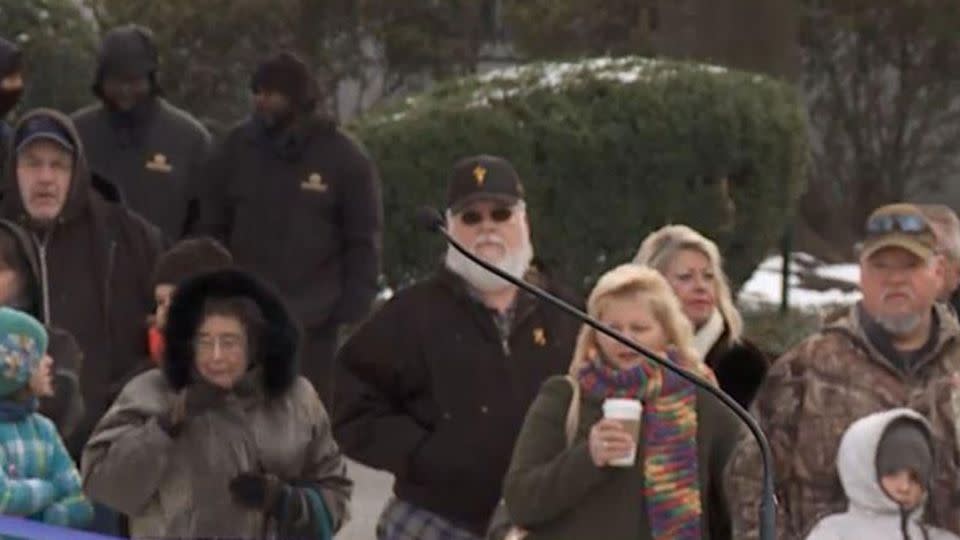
896	348
435	386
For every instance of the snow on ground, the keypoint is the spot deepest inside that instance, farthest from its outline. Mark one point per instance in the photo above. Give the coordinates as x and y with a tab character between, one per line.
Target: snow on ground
813	284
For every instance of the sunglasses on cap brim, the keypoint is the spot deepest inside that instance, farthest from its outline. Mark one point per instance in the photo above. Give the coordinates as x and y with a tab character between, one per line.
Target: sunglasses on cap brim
907	223
497	215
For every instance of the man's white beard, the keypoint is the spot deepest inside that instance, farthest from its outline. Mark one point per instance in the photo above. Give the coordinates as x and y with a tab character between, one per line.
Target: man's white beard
515	263
899	325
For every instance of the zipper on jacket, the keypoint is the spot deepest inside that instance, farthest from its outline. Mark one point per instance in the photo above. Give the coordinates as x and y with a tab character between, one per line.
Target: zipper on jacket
505	344
111	256
44	276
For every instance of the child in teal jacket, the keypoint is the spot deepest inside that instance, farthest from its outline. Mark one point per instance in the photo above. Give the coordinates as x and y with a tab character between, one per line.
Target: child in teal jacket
38	480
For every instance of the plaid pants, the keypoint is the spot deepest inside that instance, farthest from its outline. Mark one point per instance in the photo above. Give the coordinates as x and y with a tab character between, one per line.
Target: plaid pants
403	521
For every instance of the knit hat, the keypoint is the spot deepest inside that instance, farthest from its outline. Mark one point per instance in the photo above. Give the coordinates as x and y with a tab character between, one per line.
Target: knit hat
190	257
905	445
23	342
287	74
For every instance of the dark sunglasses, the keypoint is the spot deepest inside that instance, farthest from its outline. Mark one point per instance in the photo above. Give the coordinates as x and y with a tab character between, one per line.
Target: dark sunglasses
908	223
497	215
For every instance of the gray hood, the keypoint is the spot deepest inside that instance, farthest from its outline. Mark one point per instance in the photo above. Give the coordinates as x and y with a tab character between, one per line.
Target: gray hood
857	458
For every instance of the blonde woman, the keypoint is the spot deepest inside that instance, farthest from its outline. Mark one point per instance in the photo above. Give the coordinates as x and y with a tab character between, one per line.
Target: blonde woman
693	267
557	490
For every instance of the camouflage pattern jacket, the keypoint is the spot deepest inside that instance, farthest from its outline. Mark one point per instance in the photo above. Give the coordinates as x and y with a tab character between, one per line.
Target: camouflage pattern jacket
810	397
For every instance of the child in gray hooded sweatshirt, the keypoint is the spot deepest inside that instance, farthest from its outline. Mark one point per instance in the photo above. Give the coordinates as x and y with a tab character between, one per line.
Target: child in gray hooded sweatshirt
885	463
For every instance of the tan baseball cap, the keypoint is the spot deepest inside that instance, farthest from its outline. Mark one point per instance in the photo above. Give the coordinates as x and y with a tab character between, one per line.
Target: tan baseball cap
899	225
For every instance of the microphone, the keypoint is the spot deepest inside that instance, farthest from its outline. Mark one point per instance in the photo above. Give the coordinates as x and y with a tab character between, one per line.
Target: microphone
429	218
432	221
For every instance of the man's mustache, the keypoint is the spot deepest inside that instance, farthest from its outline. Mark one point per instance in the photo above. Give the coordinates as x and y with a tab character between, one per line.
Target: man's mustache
489	239
897	292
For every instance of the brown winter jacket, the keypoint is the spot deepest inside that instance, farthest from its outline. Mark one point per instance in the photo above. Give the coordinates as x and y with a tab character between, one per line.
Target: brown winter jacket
271	422
157	166
428	391
558	493
302	211
813	393
95	265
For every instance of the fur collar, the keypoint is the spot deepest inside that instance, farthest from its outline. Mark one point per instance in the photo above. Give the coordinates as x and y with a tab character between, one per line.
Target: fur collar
279	350
707	336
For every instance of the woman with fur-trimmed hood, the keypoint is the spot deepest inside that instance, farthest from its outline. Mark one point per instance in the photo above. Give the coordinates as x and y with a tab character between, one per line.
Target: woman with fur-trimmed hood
693	266
224	440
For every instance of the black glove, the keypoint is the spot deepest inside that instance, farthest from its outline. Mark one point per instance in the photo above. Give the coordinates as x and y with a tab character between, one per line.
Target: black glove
257	491
193	400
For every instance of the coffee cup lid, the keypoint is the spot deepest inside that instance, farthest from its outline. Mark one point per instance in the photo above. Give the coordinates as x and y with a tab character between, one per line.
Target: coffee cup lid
622	405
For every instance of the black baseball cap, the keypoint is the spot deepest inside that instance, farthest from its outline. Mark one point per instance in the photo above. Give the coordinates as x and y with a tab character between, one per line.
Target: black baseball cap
42	127
483	177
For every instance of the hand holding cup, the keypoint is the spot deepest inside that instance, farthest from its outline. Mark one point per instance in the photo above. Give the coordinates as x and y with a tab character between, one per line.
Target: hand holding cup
613	440
609	442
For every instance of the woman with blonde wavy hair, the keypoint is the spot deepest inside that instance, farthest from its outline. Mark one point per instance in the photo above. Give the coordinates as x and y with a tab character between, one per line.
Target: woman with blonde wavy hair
692	265
563	483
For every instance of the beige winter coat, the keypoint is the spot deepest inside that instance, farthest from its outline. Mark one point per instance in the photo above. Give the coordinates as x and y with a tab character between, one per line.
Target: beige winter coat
179	487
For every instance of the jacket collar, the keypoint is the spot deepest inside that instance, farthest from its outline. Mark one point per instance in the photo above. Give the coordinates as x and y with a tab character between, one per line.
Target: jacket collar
852	325
525	303
290	143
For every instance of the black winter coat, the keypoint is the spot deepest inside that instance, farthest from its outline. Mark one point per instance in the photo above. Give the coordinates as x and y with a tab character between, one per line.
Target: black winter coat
740	368
156	163
427	390
6	136
96	262
302	210
66	407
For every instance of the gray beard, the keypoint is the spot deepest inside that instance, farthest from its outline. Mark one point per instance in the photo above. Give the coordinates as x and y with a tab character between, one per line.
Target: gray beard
899	325
515	263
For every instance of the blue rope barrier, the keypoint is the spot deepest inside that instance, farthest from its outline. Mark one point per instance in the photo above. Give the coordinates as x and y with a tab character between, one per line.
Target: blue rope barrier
26	529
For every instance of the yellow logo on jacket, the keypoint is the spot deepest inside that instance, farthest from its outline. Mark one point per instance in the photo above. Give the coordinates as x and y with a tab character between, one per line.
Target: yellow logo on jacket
539	336
315	183
159	163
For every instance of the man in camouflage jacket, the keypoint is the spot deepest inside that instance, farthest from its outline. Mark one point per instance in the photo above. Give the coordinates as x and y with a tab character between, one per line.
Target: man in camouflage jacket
896	348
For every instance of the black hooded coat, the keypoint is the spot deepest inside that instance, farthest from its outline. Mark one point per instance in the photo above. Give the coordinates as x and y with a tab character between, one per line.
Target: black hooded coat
153	154
96	262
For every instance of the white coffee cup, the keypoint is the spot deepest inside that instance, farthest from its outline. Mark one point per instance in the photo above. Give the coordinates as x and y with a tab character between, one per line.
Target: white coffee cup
628	413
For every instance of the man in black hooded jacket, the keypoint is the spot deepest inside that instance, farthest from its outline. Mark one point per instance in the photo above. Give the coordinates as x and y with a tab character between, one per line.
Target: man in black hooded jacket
297	202
95	256
150	149
11	87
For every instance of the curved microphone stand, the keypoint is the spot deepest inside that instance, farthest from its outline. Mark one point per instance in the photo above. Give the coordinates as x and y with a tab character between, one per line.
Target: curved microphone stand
431	220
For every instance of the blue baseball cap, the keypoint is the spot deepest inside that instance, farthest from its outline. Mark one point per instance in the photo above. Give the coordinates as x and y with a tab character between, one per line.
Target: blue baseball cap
42	127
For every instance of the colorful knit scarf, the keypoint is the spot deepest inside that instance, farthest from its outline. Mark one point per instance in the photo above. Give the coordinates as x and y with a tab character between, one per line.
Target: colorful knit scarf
669	431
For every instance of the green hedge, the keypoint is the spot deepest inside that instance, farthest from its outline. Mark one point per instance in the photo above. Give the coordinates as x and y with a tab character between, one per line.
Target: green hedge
608	150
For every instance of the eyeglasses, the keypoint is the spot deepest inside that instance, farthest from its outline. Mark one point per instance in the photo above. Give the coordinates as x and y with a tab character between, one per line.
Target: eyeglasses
908	223
497	215
228	344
